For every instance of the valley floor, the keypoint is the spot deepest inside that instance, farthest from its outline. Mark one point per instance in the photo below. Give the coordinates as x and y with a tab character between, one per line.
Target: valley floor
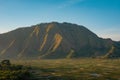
74	69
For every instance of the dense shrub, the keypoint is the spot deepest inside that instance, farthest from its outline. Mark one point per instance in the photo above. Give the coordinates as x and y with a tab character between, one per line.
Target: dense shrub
15	75
14	72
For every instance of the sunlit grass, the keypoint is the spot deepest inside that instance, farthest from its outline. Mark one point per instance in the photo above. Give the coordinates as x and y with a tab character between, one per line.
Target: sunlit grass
76	69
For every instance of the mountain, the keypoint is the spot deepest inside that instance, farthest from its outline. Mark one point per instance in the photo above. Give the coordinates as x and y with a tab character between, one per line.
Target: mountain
56	40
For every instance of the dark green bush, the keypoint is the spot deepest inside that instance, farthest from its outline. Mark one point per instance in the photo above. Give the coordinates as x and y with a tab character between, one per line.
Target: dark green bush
14	72
15	75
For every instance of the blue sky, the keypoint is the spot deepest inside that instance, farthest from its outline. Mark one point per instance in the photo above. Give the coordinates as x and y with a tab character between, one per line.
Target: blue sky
100	16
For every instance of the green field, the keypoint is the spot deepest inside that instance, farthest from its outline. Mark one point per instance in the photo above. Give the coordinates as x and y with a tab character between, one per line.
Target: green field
74	69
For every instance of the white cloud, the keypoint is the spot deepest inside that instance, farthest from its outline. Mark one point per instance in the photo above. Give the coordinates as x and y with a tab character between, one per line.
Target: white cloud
69	3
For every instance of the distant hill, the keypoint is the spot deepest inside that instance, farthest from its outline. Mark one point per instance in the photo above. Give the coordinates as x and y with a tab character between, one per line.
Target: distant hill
56	40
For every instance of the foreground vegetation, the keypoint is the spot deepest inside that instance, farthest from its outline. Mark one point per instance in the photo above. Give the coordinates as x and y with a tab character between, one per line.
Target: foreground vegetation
74	69
9	71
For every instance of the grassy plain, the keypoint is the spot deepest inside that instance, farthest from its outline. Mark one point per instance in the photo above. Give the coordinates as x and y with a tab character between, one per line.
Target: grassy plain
74	69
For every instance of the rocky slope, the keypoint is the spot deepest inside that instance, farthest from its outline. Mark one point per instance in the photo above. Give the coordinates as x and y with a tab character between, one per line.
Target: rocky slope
56	40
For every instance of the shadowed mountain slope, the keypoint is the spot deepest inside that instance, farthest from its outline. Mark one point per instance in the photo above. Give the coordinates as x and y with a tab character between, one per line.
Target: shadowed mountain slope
56	40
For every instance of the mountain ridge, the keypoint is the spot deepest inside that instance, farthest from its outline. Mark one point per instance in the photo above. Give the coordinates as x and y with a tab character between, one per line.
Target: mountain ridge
55	40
